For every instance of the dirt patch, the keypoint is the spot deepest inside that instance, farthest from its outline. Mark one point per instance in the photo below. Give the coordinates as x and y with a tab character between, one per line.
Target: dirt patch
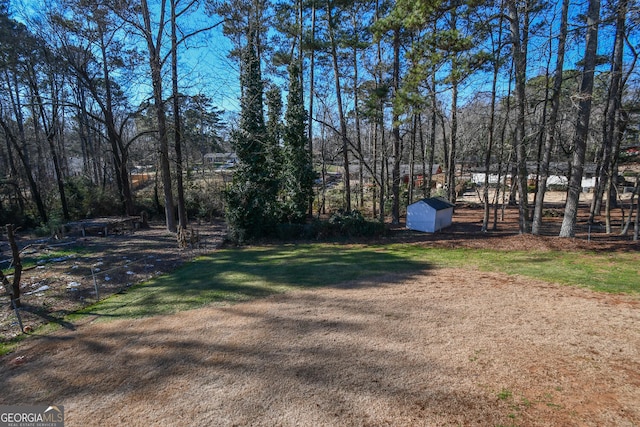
72	267
443	347
447	347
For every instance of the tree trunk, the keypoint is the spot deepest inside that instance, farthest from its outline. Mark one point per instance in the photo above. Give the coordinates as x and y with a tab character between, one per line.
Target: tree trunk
412	157
397	146
451	167
50	129
553	121
519	44
491	136
155	63
312	67
59	179
119	150
28	171
625	228
383	170
343	121
17	267
582	126
177	121
432	134
356	111
612	127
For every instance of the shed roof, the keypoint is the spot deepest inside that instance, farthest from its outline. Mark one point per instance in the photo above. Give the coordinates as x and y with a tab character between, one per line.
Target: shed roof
437	203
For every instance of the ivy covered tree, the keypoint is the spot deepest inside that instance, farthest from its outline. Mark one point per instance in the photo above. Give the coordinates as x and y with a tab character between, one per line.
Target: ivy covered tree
251	200
298	174
273	147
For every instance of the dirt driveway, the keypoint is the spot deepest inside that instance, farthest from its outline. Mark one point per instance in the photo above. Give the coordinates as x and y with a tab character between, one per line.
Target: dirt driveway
443	347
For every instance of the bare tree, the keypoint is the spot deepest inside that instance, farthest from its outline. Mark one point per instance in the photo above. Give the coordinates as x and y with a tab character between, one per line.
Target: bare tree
331	28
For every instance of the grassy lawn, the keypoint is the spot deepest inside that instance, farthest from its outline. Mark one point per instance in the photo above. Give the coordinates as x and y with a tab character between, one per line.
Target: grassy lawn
241	274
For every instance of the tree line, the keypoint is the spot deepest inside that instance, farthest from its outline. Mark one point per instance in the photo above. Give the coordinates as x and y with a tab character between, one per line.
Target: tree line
508	88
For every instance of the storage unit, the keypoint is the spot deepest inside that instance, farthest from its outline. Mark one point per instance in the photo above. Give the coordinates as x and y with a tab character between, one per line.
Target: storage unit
429	215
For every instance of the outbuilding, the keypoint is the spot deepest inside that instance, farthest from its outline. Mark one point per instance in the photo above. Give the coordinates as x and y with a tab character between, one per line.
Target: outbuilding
430	215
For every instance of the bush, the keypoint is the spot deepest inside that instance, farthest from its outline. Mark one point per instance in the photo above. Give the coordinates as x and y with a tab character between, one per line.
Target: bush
557	187
205	202
87	200
340	225
352	224
53	227
296	231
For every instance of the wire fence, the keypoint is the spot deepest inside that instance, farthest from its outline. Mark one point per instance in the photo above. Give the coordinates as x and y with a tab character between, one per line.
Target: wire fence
74	281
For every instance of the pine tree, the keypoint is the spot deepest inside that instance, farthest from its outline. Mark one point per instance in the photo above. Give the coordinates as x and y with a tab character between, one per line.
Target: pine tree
582	124
298	174
251	208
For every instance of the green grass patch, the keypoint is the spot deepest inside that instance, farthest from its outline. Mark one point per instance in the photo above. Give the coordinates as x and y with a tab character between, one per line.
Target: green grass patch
240	274
38	258
616	272
232	275
7	347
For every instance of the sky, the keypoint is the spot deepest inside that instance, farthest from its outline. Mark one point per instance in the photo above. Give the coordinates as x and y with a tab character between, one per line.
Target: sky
204	64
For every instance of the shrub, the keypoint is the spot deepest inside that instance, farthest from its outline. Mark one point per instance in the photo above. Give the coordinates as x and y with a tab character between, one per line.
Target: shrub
205	202
296	231
339	225
53	227
86	199
352	224
557	187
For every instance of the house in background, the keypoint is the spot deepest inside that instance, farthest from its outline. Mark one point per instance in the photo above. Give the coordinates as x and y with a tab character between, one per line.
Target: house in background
220	158
558	175
437	177
429	215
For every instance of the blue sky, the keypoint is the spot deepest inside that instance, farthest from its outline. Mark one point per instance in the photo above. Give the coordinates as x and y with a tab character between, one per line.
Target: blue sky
204	65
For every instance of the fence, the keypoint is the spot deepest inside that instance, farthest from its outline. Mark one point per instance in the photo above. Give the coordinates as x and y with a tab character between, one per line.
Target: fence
69	283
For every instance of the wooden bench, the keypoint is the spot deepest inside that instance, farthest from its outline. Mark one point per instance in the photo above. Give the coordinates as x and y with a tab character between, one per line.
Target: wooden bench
103	226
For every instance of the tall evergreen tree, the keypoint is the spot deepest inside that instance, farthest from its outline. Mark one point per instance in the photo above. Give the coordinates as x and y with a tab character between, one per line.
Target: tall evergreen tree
298	172
273	166
251	208
274	129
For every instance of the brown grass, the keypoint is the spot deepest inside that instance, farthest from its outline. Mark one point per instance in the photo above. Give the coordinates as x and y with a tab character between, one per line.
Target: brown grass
447	348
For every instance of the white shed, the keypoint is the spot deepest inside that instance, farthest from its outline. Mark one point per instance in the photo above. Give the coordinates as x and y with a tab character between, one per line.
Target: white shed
429	215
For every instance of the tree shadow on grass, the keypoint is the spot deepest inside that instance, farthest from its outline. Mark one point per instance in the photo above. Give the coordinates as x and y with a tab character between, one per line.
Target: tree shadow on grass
45	314
234	275
331	354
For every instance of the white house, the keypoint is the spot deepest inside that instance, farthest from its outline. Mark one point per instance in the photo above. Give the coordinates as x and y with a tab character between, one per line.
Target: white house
220	158
429	215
